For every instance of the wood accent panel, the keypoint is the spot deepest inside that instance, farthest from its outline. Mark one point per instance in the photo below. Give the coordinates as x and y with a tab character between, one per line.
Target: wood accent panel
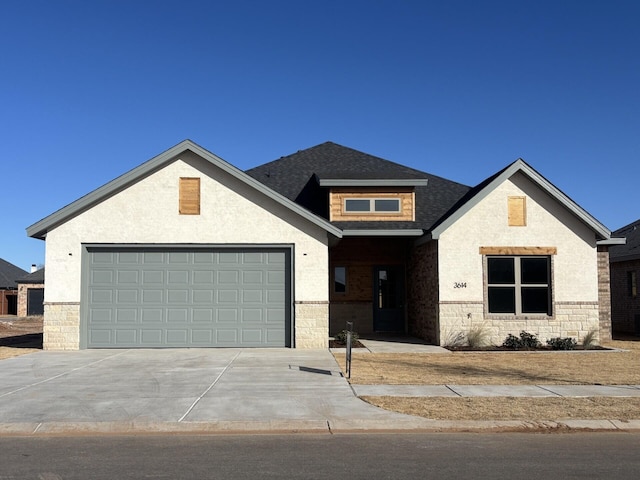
517	211
189	201
405	194
518	251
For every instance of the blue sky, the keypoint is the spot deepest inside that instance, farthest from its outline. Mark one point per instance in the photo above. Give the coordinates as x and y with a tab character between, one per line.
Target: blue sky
460	89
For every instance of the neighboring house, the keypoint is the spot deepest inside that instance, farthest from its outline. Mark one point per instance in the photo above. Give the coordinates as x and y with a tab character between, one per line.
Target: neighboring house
625	273
186	251
31	293
8	287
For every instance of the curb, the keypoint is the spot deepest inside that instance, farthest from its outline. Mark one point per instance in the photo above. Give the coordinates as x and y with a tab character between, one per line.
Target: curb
283	427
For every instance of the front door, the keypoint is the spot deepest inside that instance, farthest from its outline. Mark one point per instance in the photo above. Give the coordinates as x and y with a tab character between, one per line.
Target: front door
388	300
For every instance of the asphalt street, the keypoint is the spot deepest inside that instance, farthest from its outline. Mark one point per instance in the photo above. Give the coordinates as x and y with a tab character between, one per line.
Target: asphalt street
367	457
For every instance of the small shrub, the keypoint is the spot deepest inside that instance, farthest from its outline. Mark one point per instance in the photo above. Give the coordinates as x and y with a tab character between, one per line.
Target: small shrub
512	342
478	336
526	341
562	343
341	337
454	339
590	340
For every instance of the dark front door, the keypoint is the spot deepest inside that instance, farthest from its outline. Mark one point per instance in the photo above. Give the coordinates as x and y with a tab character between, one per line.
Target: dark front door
388	299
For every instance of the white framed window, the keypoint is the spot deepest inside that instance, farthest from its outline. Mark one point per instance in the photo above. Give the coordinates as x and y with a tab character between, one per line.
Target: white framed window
519	285
372	205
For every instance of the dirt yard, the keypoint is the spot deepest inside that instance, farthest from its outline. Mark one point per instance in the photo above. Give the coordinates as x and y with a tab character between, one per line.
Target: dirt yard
521	368
19	336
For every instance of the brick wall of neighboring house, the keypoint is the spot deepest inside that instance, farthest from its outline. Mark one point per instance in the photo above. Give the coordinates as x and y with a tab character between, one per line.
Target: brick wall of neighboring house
8	302
625	309
604	294
22	296
359	256
422	290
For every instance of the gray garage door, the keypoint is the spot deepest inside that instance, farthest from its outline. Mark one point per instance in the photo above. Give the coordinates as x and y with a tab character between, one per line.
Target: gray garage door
178	297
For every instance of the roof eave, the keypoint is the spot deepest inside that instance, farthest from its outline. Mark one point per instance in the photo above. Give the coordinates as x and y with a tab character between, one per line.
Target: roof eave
373	182
413	232
612	241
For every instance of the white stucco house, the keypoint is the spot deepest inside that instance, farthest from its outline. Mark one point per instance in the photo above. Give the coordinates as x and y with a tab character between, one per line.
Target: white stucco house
186	250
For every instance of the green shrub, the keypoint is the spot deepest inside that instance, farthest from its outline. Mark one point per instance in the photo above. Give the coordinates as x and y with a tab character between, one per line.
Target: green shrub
341	337
526	341
511	342
562	343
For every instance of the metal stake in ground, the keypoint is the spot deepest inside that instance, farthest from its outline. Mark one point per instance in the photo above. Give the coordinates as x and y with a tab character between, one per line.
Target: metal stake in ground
348	349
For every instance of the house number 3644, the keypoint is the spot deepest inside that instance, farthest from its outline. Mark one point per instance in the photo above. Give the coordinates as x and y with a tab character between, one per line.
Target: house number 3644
459	284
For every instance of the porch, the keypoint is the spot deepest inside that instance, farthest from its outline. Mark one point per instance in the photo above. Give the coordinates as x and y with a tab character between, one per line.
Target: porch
377	283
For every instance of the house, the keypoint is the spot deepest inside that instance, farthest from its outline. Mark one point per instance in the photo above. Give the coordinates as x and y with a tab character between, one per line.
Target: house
8	287
31	293
625	272
186	250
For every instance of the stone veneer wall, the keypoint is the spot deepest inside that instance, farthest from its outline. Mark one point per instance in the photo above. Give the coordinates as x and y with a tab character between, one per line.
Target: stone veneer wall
571	319
61	326
312	324
604	293
624	307
422	293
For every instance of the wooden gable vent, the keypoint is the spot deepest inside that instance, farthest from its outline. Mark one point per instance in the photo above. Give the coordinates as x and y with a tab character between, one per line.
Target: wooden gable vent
517	211
189	196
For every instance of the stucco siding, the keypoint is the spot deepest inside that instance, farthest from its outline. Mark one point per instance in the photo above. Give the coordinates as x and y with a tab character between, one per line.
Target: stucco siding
147	213
548	224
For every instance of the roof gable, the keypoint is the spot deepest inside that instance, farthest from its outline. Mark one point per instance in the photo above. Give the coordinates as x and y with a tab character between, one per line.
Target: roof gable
475	195
40	228
301	177
9	273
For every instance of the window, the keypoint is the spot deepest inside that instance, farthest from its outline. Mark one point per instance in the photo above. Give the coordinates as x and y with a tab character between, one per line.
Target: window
189	201
340	279
519	285
632	284
372	205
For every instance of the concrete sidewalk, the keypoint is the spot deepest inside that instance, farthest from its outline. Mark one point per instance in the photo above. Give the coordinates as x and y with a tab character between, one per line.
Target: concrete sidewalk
575	391
219	390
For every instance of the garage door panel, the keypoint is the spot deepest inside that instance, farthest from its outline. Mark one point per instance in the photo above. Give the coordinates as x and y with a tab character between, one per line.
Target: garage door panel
102	277
152	315
179	297
148	337
126	315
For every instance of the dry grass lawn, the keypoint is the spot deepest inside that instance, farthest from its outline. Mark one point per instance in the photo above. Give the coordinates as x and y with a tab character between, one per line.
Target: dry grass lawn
510	408
499	368
19	336
504	368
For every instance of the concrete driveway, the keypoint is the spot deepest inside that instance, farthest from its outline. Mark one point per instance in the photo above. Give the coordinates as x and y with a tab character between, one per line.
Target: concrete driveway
183	390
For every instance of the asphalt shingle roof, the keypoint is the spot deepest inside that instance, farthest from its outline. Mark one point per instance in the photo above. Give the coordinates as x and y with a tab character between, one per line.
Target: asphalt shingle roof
34	277
297	177
9	273
632	247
